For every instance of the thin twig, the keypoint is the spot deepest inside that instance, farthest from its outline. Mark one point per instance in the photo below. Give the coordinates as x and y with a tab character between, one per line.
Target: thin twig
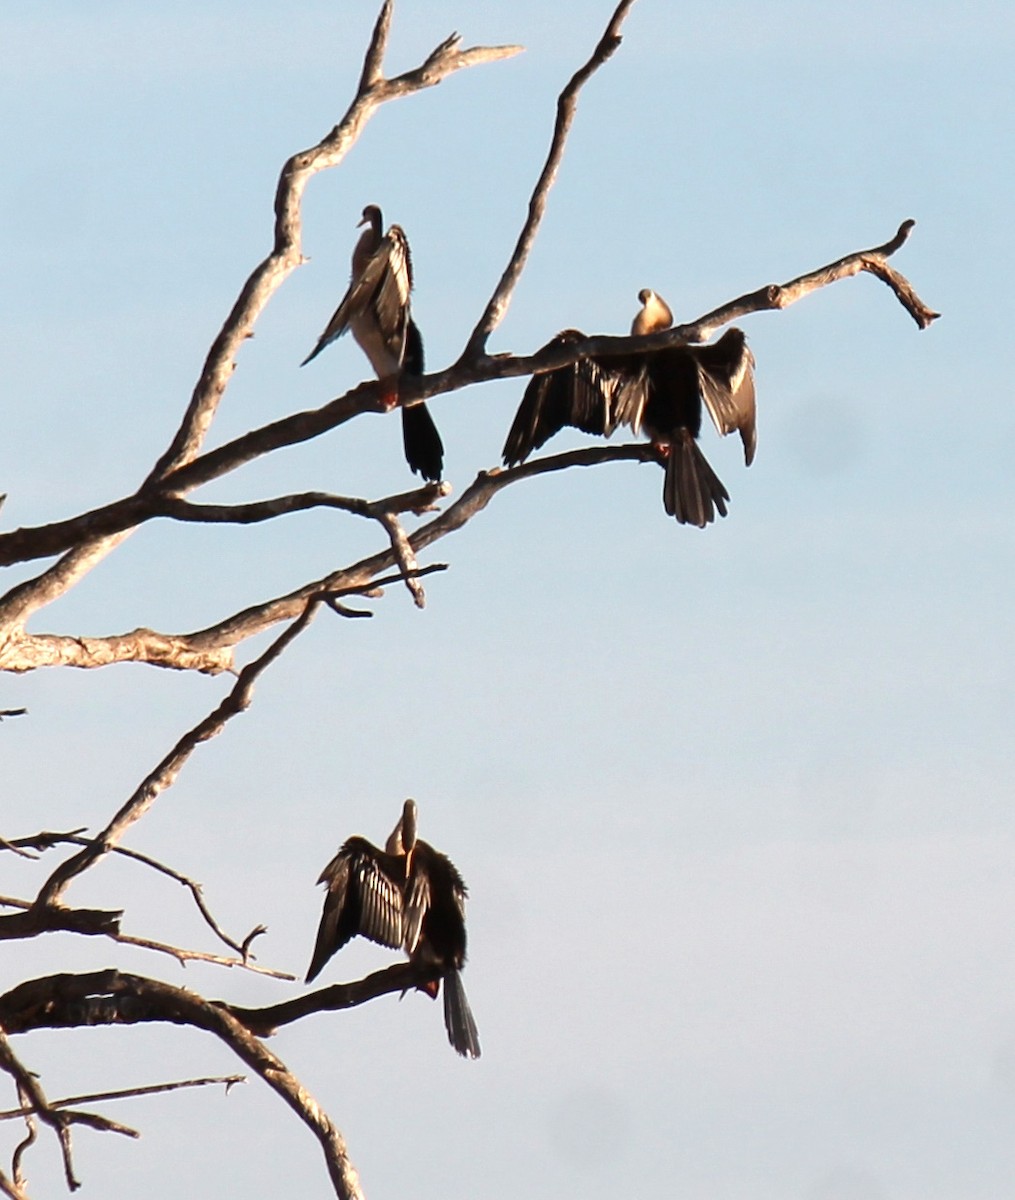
35	921
150	1089
420	500
184	956
404	557
46	840
567	104
29	1086
31	1135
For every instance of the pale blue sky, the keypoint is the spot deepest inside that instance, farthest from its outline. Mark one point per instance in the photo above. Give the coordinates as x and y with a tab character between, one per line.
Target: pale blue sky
735	806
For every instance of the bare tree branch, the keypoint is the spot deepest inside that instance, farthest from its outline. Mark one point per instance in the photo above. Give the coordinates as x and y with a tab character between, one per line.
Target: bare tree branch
92	546
420	500
23	651
27	598
35	920
399	977
200	651
779	296
404	557
566	106
96	923
115	998
286	253
47	840
29	1086
151	1089
164	775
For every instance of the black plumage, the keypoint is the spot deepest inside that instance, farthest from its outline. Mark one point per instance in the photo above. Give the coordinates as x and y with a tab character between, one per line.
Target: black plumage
660	391
407	896
377	308
364	899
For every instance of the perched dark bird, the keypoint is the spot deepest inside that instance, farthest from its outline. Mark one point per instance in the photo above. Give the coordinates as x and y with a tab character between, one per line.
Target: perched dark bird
376	308
661	391
408	896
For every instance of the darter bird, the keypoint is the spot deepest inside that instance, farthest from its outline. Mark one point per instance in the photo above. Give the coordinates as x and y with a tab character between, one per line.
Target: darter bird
376	308
661	391
407	896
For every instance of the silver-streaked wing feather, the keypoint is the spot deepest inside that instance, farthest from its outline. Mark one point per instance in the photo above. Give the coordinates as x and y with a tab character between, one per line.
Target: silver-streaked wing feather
415	905
593	395
630	392
378	296
380	904
726	379
360	886
390	270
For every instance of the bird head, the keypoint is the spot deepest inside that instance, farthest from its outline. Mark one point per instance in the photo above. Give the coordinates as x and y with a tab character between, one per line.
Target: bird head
371	217
403	837
654	313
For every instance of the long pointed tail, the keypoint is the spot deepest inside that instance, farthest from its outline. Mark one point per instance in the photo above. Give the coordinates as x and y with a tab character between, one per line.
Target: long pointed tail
458	1019
692	491
424	450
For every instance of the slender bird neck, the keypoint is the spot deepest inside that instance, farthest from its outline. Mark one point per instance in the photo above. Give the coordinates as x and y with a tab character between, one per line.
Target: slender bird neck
368	242
653	315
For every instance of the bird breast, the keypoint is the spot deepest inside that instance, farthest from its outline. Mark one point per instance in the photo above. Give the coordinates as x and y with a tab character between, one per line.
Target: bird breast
371	341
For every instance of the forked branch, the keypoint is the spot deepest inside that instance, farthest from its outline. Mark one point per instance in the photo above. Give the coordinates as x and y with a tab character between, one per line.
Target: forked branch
114	998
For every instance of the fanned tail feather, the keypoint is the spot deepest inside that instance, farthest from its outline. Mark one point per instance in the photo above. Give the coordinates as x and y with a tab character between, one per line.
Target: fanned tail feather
458	1019
691	489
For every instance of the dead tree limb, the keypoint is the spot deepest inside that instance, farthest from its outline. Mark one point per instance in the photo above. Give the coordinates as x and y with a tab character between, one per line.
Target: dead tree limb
286	254
115	998
567	105
91	545
164	775
34	1100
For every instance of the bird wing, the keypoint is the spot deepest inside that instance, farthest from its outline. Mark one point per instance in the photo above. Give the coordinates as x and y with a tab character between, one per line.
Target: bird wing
380	293
726	379
630	393
364	898
388	277
416	904
594	395
380	898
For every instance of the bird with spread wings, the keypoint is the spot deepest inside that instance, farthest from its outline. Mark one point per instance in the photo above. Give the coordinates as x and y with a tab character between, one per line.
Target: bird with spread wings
407	896
661	391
